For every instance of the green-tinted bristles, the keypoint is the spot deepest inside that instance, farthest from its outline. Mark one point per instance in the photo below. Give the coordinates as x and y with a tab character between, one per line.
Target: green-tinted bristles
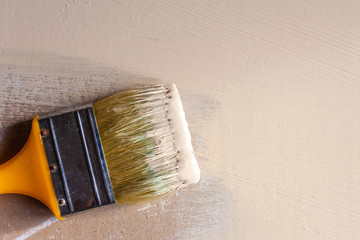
138	143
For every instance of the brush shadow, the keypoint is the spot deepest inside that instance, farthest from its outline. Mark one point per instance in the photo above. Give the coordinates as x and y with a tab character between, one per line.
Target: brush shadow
34	84
13	138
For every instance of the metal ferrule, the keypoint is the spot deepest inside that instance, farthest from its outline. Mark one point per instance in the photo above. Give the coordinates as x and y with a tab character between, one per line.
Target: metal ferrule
76	160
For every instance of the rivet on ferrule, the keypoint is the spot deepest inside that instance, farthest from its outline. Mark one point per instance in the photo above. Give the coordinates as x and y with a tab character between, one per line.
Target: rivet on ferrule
53	168
62	202
44	132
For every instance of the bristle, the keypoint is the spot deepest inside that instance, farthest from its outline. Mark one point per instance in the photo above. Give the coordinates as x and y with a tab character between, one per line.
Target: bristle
138	142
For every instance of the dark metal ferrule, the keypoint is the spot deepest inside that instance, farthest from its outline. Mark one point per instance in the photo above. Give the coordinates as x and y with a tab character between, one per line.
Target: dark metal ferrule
76	160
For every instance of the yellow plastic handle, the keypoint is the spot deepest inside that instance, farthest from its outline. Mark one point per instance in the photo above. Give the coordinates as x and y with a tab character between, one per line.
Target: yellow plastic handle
28	172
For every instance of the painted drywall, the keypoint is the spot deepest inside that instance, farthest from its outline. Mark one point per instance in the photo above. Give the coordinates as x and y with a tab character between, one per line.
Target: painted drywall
271	93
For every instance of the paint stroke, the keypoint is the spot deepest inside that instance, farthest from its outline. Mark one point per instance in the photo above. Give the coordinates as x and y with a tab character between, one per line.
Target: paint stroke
36	229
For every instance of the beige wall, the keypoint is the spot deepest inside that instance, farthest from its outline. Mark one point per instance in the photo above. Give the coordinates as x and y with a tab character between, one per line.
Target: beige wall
271	90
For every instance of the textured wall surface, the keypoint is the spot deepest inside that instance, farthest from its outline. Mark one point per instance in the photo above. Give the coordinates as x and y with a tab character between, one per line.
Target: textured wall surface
271	90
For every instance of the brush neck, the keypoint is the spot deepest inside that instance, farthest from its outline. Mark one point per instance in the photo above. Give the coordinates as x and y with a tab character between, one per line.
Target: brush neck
73	146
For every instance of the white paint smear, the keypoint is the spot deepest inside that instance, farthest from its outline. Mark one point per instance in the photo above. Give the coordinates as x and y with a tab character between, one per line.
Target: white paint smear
36	229
188	167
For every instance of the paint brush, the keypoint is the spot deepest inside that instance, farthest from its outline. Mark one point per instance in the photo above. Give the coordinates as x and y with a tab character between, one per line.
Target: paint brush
131	147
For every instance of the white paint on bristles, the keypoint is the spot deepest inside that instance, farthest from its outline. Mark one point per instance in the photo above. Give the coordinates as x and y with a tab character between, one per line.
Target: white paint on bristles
189	170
